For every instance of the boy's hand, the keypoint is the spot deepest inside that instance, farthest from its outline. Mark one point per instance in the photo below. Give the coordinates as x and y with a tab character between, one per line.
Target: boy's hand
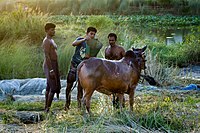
52	74
87	38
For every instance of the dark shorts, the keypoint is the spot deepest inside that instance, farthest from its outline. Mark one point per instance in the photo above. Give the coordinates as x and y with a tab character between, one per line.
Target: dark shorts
53	85
72	74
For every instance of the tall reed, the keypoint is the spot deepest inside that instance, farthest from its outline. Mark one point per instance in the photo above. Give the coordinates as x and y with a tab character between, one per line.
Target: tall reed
19	60
22	22
97	7
21	33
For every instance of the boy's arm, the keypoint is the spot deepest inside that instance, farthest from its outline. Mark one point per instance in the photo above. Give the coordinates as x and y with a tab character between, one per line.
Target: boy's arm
78	41
46	48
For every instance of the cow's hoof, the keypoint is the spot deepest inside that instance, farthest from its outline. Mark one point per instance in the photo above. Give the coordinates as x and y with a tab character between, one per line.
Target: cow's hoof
66	108
46	110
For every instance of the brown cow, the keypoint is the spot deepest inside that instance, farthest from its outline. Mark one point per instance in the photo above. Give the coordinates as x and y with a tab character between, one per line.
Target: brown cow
109	77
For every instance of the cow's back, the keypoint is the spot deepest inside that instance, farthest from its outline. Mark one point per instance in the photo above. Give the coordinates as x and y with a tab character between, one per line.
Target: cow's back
105	76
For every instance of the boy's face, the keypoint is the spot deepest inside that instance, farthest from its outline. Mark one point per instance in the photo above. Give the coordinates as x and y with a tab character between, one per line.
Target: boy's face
51	32
111	40
91	34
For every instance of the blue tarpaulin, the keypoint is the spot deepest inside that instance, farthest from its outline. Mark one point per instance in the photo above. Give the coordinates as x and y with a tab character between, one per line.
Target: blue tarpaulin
191	87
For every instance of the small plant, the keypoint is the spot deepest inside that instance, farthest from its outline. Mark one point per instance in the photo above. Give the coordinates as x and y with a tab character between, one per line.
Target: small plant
100	22
160	71
8	118
8	95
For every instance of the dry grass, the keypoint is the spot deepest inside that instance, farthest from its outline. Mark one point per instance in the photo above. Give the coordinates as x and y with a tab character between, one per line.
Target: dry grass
154	111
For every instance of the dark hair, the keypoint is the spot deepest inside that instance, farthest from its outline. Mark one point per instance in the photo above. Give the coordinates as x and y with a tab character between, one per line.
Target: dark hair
49	25
91	29
112	35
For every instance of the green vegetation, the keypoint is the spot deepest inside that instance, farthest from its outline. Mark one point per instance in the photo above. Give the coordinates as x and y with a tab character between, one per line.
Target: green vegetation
20	24
18	60
160	111
21	34
181	54
19	106
131	20
22	57
109	7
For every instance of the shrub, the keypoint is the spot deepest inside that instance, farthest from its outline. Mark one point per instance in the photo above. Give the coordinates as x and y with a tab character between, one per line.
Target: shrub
19	60
22	23
100	22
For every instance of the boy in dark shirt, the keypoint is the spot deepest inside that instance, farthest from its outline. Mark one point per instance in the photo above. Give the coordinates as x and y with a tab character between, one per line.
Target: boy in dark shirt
83	51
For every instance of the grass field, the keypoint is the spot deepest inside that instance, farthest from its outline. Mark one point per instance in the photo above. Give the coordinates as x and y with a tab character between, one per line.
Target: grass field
154	111
21	56
21	45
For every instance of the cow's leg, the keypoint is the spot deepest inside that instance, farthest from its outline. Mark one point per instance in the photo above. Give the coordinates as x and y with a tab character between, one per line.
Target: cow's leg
86	100
79	94
115	101
120	97
131	99
123	104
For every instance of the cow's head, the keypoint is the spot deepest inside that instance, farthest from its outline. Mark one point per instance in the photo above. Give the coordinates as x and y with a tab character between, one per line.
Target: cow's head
130	58
140	56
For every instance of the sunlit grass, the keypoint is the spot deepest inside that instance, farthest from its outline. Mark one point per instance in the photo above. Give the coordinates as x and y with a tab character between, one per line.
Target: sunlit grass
127	7
22	23
21	56
18	60
70	27
164	111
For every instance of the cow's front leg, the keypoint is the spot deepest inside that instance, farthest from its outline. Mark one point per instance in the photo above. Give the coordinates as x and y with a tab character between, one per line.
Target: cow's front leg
121	97
131	98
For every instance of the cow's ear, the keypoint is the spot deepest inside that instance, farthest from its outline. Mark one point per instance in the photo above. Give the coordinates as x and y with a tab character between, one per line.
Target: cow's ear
133	48
144	48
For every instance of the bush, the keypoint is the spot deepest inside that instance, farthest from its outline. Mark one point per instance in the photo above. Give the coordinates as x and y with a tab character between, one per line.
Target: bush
19	60
100	22
180	54
22	23
191	47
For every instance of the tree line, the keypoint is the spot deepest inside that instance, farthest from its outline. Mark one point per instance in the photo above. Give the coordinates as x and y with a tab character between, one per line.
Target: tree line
109	7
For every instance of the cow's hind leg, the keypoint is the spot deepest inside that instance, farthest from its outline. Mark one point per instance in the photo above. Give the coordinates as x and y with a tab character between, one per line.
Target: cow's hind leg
79	94
86	100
